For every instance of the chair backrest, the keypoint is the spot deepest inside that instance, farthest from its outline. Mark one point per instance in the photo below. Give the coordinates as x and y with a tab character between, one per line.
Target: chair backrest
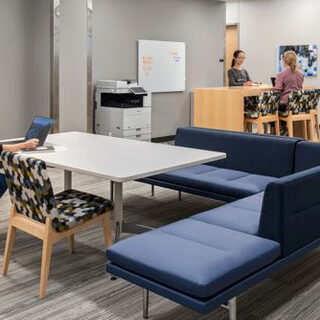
298	101
29	186
314	97
266	103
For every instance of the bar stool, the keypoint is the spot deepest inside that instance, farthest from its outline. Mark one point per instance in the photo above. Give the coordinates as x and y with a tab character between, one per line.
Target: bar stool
262	110
297	110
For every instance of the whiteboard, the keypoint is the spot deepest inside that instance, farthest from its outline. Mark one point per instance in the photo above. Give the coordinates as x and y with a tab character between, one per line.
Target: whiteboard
162	65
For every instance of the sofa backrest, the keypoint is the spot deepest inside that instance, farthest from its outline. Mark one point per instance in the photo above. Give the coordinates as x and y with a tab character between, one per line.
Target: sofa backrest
307	155
291	210
252	153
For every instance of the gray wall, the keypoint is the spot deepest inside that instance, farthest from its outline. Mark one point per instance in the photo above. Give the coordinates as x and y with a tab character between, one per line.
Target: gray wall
118	24
40	104
73	65
15	58
24	76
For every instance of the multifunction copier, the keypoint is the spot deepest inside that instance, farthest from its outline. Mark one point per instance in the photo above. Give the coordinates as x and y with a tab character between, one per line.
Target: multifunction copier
123	109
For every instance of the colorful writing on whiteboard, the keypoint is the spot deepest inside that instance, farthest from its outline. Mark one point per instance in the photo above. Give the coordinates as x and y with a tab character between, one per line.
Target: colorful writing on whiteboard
175	55
147	63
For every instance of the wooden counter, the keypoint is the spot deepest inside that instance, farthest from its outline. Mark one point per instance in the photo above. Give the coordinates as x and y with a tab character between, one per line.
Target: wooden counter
223	108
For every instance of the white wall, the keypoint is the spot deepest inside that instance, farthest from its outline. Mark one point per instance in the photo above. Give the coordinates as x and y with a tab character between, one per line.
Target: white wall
265	24
118	24
73	65
232	11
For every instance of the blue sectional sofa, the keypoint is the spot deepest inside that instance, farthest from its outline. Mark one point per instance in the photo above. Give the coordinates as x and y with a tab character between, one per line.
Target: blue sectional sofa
272	186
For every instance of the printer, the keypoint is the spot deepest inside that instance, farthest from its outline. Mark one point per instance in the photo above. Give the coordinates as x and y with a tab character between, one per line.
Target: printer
123	109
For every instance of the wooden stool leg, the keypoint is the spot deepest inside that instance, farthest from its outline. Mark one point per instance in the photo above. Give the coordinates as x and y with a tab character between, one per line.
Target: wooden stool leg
304	128
311	129
11	236
290	128
316	120
71	244
260	127
107	230
46	259
277	125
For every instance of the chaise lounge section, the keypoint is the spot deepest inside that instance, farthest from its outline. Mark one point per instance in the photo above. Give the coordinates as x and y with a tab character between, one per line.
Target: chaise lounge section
210	258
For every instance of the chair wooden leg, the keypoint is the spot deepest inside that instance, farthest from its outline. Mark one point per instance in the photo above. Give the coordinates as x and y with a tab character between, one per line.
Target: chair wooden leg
46	259
107	230
11	235
260	127
290	128
304	126
316	119
71	244
311	127
277	127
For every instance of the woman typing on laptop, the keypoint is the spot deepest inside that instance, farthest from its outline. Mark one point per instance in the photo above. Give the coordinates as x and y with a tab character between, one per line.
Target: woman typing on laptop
30	144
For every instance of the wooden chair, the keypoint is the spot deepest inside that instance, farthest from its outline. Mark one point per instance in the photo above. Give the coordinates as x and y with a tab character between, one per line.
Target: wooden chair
51	218
262	110
297	110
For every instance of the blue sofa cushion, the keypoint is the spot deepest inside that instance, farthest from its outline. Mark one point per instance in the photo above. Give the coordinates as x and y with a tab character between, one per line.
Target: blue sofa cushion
242	215
194	257
229	182
307	155
257	154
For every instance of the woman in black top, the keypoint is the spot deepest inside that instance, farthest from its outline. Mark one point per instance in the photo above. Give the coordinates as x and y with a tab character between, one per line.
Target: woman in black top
238	76
30	144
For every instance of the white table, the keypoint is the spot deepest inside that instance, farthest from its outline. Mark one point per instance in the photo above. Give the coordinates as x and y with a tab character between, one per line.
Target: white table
118	160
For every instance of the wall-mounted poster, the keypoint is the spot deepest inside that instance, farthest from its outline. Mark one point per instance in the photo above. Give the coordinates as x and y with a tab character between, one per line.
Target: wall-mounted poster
307	56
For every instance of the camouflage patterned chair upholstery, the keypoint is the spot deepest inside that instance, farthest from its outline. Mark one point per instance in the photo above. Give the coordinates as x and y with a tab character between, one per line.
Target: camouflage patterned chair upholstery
31	191
262	110
298	103
298	109
54	216
264	104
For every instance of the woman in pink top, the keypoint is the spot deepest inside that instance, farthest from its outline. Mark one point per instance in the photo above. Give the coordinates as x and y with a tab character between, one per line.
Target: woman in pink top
291	79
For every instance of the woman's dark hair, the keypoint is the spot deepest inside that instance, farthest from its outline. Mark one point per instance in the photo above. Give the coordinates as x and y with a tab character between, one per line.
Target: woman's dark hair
235	56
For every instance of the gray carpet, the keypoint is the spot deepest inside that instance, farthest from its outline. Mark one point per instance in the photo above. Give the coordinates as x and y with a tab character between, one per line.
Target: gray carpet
78	287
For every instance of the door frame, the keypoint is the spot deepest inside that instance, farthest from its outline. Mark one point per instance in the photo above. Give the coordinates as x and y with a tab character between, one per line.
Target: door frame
237	24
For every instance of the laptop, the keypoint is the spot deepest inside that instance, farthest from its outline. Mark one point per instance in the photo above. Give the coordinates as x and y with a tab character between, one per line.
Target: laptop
39	129
273	81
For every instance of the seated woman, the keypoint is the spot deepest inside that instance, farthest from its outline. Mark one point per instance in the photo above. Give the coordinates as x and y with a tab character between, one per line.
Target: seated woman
30	144
291	79
238	76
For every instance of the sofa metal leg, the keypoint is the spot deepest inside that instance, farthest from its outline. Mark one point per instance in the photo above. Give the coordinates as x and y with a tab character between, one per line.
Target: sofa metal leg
152	190
145	304
232	304
180	195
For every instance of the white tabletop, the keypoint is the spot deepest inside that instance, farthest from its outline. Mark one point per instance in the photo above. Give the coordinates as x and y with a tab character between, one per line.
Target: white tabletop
118	159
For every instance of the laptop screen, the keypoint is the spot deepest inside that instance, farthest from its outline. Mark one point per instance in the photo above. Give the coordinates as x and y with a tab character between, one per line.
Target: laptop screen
39	129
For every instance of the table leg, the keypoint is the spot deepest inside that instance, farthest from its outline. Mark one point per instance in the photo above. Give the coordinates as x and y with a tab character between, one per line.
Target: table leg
119	224
118	209
67	179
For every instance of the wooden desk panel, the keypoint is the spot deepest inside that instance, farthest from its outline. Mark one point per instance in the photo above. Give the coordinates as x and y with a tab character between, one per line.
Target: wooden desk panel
223	108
